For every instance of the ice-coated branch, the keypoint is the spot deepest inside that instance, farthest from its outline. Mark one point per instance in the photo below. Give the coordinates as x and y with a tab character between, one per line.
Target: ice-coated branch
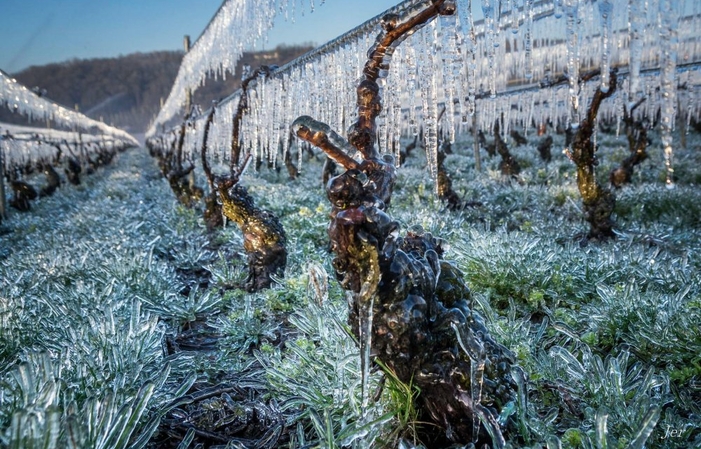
203	149
22	100
212	208
236	26
264	237
636	134
363	133
598	201
323	137
241	109
508	164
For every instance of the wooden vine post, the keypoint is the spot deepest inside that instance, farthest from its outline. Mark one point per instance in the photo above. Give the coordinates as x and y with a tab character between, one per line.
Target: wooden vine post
188	92
598	200
408	307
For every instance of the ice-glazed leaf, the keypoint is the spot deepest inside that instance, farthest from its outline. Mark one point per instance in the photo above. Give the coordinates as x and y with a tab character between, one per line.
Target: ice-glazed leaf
186	385
146	433
553	442
646	427
52	429
187	440
572	365
490	423
136	411
601	428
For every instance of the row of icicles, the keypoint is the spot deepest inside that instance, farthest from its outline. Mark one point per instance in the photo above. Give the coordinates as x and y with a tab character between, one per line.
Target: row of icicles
483	70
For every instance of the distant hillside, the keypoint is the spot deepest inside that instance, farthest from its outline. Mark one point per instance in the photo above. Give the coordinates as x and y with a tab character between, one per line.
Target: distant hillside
127	91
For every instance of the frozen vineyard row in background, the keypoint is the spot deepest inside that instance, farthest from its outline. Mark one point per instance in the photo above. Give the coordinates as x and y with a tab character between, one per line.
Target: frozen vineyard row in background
21	100
28	145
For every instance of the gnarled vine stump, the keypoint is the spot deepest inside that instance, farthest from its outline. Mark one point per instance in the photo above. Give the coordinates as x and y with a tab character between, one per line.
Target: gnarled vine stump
423	326
264	238
598	200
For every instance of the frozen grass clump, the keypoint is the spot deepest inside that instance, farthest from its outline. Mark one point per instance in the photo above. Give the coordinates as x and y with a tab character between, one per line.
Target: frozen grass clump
81	357
317	373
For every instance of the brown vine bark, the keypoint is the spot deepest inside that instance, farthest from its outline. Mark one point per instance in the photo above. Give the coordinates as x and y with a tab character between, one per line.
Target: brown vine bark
636	133
264	238
53	181
179	177
490	148
445	185
212	214
598	200
423	327
544	147
241	109
518	138
23	194
508	165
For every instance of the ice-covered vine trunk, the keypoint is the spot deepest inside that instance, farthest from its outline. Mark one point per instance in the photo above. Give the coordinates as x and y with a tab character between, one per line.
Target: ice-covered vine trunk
444	185
73	170
264	237
213	217
23	193
636	133
53	181
241	109
178	176
508	165
544	147
407	306
598	200
490	148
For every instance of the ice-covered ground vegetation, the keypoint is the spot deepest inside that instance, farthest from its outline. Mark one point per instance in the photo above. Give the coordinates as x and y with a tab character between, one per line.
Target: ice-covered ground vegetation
121	324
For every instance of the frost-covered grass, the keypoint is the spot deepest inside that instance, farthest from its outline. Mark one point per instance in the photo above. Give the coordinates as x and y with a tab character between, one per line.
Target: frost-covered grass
98	281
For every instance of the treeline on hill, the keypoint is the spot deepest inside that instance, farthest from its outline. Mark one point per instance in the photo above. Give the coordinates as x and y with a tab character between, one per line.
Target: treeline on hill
126	91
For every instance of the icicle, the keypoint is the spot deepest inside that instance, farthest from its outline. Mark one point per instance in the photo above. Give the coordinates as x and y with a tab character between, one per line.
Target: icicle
468	50
451	70
606	12
413	87
491	42
474	349
571	11
514	16
637	14
429	97
618	110
668	85
365	328
528	39
558	8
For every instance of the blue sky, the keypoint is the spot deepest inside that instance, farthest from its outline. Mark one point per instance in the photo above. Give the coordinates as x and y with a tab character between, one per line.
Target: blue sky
35	32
